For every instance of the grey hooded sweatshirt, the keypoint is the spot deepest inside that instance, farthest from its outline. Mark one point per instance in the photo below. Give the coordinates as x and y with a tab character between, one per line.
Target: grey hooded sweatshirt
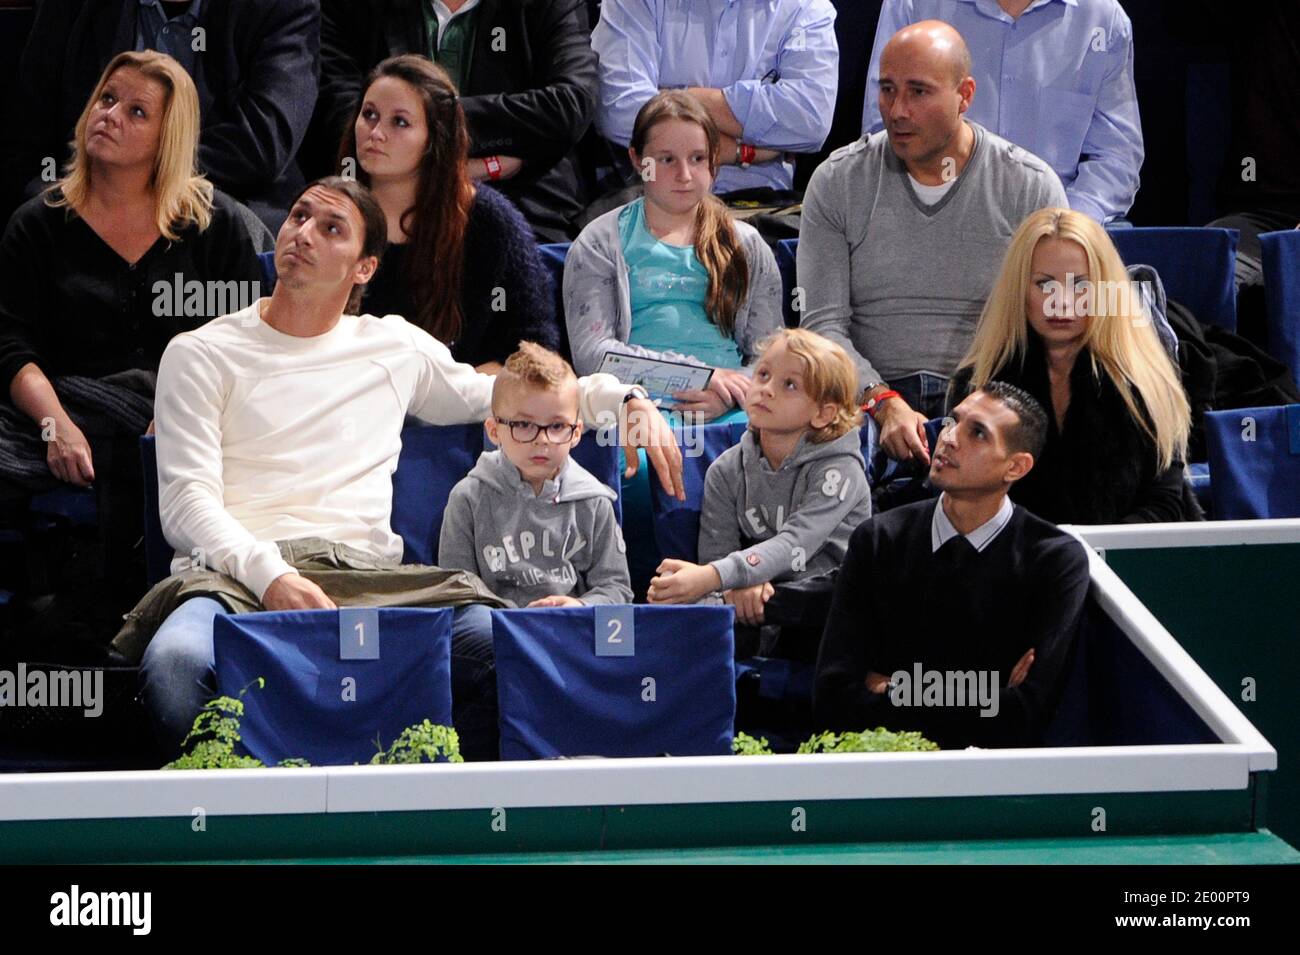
564	541
759	525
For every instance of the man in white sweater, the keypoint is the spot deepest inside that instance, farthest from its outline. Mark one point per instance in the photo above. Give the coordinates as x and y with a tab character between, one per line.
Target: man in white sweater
282	421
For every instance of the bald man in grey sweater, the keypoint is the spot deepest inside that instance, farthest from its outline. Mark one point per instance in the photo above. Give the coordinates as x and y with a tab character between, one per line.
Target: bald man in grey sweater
904	230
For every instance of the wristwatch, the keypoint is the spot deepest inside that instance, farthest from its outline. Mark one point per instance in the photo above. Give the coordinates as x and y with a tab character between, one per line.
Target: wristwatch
636	391
493	164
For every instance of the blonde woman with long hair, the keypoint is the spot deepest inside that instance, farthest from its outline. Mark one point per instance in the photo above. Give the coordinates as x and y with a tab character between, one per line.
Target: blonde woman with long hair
672	275
129	248
1064	323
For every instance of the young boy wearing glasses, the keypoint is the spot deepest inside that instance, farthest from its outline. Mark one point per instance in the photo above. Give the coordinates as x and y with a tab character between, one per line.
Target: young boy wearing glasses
533	524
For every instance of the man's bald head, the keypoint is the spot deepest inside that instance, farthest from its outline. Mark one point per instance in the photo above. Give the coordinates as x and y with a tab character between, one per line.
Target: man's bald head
934	42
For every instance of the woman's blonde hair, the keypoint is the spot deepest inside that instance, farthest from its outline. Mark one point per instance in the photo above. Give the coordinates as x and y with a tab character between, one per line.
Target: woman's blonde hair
717	242
829	377
181	195
1119	337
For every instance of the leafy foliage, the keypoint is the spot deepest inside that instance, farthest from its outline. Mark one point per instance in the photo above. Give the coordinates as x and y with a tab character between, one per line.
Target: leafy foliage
879	740
422	743
742	744
214	735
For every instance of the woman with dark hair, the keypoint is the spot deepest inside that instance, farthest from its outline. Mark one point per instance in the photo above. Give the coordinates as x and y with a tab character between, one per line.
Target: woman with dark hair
672	275
461	262
131	247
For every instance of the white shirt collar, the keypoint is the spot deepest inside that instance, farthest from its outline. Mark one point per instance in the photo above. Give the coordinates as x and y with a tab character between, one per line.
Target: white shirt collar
942	531
445	16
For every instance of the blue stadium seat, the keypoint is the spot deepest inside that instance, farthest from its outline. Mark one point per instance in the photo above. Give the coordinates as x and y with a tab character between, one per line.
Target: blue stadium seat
786	250
674	695
677	523
552	255
1195	265
76	505
320	708
1254	462
1114	696
269	275
1281	254
432	460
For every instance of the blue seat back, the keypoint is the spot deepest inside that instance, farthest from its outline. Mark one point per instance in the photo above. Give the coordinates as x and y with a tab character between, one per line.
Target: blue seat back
1196	266
675	695
786	251
677	523
552	255
1114	696
432	460
320	708
1254	462
1281	256
269	274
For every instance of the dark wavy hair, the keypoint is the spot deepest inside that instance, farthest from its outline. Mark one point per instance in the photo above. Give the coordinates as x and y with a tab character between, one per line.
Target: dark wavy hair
444	193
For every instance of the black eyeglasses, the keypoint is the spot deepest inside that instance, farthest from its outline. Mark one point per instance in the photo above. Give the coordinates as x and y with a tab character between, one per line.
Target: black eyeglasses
526	432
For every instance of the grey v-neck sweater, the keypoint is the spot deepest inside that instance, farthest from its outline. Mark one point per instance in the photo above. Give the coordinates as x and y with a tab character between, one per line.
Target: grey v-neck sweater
899	284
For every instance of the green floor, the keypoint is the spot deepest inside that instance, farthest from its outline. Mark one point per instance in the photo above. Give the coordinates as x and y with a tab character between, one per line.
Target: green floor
1250	848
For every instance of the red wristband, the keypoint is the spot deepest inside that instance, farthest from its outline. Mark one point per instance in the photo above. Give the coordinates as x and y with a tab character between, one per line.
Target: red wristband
747	154
493	164
874	403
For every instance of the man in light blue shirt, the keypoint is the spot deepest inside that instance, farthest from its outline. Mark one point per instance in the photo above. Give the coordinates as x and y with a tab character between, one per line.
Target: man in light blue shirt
1054	76
766	70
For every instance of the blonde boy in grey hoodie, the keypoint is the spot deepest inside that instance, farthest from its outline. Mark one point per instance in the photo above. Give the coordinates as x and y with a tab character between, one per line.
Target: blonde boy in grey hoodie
532	523
782	503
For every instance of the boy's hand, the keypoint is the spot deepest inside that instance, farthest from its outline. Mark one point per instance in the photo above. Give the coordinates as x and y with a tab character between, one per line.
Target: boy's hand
557	600
748	602
681	582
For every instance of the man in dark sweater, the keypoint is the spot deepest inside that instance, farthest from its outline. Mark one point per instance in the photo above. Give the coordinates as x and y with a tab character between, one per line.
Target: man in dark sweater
956	617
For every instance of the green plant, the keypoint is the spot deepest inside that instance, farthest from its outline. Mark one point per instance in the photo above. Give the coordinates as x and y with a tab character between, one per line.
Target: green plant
879	740
215	733
422	743
742	744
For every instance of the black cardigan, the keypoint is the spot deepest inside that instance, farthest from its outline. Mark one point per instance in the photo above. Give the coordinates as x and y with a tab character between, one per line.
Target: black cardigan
73	306
531	91
499	254
897	604
1101	468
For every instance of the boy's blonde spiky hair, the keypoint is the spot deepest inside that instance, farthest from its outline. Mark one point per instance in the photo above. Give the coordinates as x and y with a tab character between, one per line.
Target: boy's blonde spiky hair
533	366
829	377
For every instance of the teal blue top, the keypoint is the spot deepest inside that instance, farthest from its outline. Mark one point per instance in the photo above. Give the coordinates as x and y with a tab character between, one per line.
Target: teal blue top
668	286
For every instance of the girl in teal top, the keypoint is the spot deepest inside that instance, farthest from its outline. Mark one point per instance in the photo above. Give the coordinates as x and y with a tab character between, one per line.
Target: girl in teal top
668	286
673	276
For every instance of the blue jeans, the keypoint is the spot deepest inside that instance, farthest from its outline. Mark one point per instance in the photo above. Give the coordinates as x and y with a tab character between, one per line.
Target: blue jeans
178	676
924	391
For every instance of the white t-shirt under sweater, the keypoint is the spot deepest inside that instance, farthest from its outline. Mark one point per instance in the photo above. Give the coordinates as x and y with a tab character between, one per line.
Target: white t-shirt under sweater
264	436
